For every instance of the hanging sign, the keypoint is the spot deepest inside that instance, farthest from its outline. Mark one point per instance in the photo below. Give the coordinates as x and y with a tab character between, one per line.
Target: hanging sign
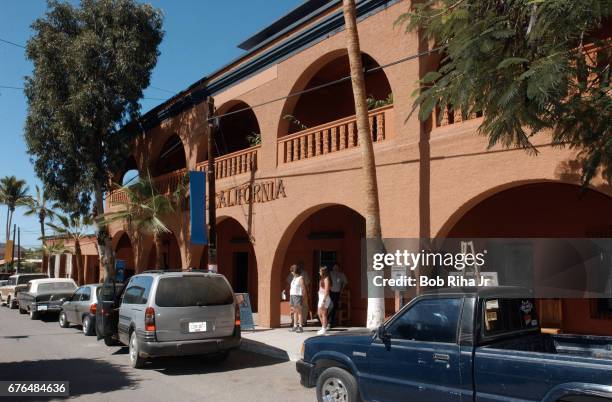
197	200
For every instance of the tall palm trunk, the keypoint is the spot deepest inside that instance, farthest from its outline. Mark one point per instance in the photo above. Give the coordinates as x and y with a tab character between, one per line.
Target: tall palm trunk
8	227
41	220
159	257
79	262
376	305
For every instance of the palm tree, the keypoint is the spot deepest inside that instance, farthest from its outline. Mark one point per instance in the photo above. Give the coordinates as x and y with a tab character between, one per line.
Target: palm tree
73	228
142	213
38	206
52	249
13	193
376	306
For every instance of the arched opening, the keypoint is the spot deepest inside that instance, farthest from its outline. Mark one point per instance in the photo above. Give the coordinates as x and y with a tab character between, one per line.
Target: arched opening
238	129
543	210
171	253
332	102
124	254
236	258
329	235
171	157
129	172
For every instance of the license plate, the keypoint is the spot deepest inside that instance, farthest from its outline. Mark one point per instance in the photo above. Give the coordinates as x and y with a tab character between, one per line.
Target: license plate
42	308
197	327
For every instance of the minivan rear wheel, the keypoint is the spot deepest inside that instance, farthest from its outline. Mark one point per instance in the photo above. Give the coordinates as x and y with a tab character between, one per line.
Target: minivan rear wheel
136	360
109	341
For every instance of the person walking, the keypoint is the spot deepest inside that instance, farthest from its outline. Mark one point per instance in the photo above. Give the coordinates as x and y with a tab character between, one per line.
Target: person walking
325	284
339	281
296	297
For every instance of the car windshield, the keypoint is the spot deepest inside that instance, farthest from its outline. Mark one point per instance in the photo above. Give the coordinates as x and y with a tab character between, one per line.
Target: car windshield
191	290
56	286
22	280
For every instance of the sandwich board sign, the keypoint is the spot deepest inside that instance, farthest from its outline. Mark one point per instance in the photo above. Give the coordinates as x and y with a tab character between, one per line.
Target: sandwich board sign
246	312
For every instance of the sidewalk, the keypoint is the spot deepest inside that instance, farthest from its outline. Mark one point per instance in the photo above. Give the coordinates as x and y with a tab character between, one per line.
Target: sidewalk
280	342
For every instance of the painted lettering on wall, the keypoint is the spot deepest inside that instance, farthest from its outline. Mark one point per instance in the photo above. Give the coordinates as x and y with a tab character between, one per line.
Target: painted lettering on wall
251	193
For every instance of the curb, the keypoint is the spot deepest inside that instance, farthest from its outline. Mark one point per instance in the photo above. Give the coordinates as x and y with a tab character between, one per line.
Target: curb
266	350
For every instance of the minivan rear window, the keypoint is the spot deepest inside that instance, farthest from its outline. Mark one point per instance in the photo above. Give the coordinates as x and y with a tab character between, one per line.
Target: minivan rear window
21	280
192	290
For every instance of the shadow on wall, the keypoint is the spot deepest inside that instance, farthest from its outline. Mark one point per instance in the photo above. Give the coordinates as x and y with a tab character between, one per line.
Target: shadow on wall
108	377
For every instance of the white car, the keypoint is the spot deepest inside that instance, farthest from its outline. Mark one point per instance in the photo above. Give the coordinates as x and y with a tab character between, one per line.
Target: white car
45	295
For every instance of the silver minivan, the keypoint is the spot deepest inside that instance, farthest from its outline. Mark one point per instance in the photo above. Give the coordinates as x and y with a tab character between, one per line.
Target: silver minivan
166	313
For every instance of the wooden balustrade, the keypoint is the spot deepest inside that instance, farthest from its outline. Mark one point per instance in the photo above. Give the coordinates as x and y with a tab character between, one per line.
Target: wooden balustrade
333	137
448	115
243	161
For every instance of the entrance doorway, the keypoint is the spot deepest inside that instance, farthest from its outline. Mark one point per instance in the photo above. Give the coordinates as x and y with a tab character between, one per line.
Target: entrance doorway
322	258
241	272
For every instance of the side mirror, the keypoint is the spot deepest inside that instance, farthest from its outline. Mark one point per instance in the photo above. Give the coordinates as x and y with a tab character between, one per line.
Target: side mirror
63	300
382	334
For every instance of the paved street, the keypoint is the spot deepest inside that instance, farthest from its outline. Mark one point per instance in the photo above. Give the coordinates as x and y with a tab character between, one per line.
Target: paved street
41	350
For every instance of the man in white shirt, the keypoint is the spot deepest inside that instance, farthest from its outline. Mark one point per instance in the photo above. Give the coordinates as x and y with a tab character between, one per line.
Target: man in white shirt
339	281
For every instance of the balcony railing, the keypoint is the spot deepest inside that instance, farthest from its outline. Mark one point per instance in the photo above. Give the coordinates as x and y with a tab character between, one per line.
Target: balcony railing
333	137
243	161
448	115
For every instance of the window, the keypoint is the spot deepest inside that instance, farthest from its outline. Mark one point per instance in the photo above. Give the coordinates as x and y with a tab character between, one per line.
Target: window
56	287
507	315
23	279
138	290
86	294
430	320
193	290
77	295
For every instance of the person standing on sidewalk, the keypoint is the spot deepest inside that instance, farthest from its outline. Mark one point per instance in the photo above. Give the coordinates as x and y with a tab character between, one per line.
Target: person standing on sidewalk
325	284
296	297
339	281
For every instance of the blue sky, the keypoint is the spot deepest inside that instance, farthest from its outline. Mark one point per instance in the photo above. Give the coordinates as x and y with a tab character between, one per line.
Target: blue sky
201	36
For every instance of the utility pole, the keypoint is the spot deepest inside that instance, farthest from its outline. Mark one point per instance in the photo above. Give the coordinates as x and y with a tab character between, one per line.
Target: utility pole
212	213
18	249
13	256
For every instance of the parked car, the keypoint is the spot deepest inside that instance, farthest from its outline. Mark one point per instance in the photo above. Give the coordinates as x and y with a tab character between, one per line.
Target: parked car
4	282
16	284
80	308
45	296
107	312
482	345
165	313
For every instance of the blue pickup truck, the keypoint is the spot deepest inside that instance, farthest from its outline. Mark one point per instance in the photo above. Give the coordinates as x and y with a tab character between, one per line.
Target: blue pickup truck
460	345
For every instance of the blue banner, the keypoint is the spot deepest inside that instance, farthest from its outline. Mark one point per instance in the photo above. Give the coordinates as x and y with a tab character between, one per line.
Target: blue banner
197	209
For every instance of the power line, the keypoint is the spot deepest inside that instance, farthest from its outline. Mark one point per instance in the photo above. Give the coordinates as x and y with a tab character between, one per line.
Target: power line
12	43
10	87
21	89
162	89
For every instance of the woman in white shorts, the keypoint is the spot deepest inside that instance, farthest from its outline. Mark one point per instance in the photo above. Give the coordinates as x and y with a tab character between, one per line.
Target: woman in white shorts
324	298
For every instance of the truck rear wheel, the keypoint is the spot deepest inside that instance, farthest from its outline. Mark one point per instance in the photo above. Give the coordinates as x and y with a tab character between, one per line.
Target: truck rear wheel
336	384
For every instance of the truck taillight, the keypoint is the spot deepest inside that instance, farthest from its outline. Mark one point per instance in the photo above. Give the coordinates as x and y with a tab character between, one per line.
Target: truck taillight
237	314
150	319
93	308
